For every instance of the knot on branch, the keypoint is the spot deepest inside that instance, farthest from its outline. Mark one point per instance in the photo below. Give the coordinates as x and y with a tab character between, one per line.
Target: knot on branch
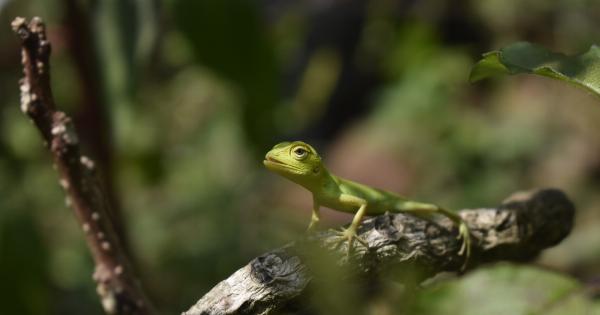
270	268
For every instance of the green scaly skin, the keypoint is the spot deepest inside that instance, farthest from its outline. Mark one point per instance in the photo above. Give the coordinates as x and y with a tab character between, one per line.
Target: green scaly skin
300	163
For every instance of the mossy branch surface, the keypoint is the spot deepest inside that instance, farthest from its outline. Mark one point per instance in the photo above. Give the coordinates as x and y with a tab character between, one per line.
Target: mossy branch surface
517	230
117	284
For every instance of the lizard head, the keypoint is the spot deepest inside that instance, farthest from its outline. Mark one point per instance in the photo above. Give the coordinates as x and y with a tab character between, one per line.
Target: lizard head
297	161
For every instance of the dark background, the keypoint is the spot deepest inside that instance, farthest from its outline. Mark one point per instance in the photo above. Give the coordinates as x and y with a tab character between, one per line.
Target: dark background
179	100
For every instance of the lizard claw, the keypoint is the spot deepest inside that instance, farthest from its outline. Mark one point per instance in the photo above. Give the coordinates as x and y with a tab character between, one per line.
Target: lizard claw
349	235
465	249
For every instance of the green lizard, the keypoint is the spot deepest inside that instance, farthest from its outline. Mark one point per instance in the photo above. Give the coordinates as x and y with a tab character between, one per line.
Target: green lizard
300	163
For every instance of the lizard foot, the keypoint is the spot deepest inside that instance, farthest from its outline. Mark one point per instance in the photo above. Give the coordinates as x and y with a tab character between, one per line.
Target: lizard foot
465	249
349	235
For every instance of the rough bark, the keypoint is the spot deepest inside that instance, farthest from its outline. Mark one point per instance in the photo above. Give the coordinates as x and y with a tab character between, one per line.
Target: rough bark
517	230
117	284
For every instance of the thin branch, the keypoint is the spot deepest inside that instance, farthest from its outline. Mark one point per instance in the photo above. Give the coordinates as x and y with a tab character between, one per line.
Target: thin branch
518	230
117	284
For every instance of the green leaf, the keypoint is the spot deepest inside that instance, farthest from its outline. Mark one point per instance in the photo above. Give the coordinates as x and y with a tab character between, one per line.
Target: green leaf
582	70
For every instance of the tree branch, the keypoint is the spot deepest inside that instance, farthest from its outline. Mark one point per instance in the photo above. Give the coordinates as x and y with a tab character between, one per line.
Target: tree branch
518	230
117	285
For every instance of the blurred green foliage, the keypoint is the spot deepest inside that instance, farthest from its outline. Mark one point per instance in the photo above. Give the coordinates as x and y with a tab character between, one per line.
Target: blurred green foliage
505	289
231	38
196	91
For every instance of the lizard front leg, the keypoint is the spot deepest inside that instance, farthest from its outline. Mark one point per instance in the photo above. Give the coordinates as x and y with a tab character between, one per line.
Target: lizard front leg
349	234
316	215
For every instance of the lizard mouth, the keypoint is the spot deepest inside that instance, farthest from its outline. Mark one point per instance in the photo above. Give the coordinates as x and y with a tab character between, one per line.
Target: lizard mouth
273	163
272	160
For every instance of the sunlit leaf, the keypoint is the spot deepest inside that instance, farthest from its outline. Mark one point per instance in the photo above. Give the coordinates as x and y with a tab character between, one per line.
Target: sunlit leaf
582	70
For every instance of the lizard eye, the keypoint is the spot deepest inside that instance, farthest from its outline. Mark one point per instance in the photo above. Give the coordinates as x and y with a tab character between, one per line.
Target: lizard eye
300	152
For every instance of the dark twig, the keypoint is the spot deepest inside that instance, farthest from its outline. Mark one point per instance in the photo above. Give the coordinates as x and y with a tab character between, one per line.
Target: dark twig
117	285
517	230
92	112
